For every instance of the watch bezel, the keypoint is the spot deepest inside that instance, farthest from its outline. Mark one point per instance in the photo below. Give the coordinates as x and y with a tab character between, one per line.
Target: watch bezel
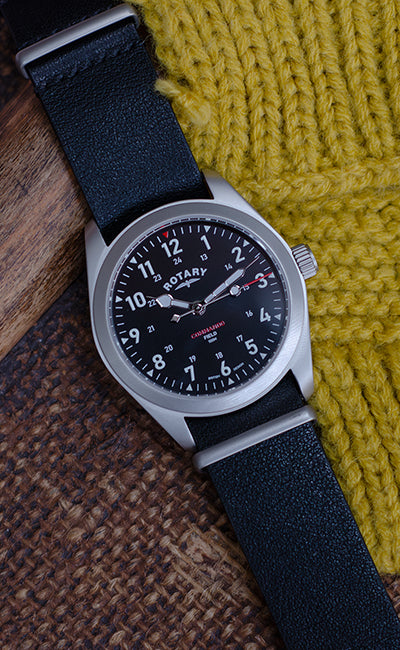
129	377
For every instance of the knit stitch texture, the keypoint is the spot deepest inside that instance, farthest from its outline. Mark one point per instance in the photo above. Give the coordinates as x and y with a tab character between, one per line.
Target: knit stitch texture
297	105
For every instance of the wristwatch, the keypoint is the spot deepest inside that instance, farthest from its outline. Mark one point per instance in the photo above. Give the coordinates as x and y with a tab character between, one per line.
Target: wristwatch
199	310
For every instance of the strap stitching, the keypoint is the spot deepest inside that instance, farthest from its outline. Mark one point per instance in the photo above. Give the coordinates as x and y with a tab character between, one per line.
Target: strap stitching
78	68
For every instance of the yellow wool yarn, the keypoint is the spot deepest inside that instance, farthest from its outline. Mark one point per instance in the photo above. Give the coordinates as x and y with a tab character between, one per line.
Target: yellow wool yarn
297	104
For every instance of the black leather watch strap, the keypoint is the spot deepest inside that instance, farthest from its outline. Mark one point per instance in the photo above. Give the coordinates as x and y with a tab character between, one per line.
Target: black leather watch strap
121	137
297	532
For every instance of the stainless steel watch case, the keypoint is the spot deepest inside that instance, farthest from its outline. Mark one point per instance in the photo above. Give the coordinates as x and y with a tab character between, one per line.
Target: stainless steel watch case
168	408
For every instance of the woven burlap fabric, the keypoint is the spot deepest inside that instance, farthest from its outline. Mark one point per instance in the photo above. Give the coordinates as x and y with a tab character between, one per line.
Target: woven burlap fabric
109	538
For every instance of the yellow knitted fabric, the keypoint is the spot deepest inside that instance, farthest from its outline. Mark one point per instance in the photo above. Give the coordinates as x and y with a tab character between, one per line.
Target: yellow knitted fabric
297	104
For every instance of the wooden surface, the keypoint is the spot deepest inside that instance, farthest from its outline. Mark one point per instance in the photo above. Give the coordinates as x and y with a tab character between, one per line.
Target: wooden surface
43	214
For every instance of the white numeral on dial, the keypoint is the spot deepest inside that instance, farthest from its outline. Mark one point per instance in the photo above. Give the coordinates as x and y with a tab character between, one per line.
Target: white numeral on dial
137	300
263	281
158	361
146	265
205	242
225	370
251	346
172	248
190	370
236	250
135	334
264	315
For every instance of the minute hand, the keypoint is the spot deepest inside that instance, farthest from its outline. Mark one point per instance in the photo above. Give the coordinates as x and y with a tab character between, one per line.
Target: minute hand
239	273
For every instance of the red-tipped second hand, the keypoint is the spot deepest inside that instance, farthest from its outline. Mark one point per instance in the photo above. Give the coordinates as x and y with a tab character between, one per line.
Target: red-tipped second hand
258	279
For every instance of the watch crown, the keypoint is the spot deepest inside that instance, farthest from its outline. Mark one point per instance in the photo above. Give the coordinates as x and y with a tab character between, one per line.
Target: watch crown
305	260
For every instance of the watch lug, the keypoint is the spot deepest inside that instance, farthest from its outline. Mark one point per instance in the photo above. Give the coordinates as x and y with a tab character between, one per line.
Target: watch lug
223	192
174	423
96	249
301	364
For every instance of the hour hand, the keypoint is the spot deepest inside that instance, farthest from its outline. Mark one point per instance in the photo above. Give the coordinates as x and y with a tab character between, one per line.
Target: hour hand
166	300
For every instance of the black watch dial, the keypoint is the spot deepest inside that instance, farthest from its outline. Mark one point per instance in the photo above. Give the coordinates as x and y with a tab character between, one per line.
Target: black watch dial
198	307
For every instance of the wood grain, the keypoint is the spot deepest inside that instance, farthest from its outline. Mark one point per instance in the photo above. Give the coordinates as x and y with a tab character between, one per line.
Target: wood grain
43	214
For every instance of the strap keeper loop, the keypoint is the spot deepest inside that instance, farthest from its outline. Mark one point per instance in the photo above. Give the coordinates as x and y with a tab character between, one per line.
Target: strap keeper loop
71	34
253	437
